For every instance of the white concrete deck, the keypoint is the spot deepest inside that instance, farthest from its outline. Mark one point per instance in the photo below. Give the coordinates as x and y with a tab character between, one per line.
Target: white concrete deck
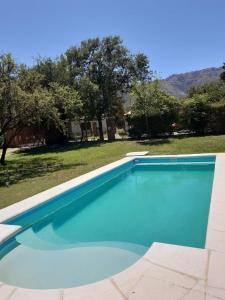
141	153
165	272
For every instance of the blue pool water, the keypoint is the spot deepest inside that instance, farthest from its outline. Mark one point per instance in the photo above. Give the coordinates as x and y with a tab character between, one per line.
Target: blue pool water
102	227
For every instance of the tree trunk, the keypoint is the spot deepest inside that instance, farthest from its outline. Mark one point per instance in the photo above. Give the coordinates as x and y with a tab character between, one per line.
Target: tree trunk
147	126
6	143
82	133
86	132
4	149
101	135
111	130
54	136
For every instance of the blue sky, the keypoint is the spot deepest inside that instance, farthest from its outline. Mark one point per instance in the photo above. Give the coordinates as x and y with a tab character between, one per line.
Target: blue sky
177	35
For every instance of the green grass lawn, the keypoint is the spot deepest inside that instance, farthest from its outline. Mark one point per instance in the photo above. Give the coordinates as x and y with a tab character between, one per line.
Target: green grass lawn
36	170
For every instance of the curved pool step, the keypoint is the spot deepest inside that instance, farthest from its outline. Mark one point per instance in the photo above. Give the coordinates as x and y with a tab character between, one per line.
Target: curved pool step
62	268
32	240
48	234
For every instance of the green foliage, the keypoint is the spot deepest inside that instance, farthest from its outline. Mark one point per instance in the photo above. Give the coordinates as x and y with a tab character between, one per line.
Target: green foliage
88	82
24	102
147	99
29	79
66	101
204	111
195	114
91	98
17	106
217	117
214	91
153	111
47	70
107	69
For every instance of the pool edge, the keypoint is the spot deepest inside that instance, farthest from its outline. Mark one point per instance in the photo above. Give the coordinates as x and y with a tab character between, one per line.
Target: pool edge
36	200
175	269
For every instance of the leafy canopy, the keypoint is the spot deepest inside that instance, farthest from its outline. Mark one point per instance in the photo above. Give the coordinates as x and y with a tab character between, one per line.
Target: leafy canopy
25	103
149	100
107	64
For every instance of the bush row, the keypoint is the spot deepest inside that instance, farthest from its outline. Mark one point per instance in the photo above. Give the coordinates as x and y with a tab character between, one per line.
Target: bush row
194	115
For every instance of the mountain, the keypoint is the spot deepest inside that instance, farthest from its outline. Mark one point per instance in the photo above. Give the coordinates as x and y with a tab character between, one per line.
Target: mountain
179	84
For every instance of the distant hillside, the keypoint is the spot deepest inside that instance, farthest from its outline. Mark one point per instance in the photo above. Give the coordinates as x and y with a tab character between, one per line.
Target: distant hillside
179	84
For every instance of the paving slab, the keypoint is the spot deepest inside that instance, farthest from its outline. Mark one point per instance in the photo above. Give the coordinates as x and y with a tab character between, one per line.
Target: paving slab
30	294
6	291
216	272
187	260
127	279
195	295
215	292
154	289
103	290
215	240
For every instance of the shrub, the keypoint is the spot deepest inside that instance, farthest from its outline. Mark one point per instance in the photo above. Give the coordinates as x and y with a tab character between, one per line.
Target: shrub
195	114
217	118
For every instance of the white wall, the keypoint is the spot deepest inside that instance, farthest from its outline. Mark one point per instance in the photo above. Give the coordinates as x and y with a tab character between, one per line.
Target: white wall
76	131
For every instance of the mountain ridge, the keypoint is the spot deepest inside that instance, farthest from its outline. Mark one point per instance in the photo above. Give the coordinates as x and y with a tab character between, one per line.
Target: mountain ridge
179	84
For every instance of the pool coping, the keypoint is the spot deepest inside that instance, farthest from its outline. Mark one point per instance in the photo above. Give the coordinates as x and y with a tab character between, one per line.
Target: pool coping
164	272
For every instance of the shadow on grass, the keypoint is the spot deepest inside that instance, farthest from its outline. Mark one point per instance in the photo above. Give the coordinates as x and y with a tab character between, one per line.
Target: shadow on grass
60	148
16	171
168	140
153	142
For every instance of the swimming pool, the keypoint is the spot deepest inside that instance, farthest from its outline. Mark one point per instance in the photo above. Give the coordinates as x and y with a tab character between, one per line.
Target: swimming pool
105	224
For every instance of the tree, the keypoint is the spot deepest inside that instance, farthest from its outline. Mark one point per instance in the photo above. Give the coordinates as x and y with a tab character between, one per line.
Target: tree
109	66
52	70
53	77
222	76
216	122
150	102
213	91
67	105
25	103
11	101
91	102
18	108
204	108
195	113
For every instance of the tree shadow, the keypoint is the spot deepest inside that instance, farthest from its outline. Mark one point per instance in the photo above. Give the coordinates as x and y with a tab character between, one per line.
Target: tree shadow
16	171
153	142
60	148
